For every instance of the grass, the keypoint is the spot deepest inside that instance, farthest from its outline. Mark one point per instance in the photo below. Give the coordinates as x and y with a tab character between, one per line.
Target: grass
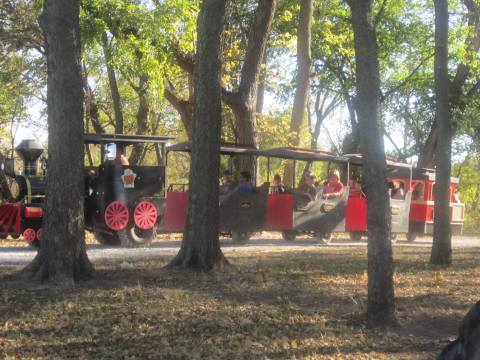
278	305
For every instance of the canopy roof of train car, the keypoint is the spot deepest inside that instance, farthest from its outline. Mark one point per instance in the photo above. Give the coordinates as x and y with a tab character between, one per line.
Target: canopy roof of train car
225	149
304	154
124	139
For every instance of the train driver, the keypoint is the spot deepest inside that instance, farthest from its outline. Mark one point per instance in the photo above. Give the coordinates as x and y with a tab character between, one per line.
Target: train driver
333	186
121	159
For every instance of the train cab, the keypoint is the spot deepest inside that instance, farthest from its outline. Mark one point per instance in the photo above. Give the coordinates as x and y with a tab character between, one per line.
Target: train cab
123	202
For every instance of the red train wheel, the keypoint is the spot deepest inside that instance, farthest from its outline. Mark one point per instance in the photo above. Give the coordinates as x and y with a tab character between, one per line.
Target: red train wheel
29	235
40	234
145	215
116	215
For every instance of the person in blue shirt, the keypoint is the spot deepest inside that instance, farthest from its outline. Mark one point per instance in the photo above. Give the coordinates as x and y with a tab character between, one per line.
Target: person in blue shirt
244	182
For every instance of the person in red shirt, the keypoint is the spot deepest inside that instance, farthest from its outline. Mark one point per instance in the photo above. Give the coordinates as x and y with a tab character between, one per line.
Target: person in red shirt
333	187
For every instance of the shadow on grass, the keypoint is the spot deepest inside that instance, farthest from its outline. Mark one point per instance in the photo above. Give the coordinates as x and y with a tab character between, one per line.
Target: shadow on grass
320	296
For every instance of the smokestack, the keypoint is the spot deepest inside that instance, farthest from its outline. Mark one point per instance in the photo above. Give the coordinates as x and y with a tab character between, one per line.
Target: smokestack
30	150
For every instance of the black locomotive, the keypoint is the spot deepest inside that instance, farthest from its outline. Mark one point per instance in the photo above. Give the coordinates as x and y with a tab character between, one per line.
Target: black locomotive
123	203
23	216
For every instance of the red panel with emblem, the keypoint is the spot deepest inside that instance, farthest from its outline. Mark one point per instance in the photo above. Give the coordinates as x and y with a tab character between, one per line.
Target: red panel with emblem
279	213
356	214
175	216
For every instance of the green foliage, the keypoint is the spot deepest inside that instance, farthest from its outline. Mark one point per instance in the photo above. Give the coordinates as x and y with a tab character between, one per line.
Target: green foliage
469	191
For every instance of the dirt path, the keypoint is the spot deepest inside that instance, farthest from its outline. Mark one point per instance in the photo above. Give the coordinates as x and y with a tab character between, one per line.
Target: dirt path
18	255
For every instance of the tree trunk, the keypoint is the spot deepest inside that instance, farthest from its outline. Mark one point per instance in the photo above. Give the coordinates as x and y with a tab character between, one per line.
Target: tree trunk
200	248
304	63
243	101
381	306
456	94
442	235
261	85
117	105
184	107
62	258
142	118
425	160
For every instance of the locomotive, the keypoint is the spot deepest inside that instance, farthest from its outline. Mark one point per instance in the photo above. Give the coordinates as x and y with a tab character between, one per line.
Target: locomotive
123	203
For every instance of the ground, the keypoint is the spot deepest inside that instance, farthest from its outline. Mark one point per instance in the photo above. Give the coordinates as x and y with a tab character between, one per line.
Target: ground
303	301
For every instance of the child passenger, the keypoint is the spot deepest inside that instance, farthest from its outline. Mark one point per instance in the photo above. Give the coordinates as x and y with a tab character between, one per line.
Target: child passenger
278	187
333	187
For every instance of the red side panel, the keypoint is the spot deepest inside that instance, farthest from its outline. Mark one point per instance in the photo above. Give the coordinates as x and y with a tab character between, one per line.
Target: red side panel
10	219
356	214
175	216
418	211
279	213
33	212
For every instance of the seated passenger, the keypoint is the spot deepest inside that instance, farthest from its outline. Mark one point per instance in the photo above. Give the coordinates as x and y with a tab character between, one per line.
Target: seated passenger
356	190
307	187
396	191
278	187
333	187
244	182
227	182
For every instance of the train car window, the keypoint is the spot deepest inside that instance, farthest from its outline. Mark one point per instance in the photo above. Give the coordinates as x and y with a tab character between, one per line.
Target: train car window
110	152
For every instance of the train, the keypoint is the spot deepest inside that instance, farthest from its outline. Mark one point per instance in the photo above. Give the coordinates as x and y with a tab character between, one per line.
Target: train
128	205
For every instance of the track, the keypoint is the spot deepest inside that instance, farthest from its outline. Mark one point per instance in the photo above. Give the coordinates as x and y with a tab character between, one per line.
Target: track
23	255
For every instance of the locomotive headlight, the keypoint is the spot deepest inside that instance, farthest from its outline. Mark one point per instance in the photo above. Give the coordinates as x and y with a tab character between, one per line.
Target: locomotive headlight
15	189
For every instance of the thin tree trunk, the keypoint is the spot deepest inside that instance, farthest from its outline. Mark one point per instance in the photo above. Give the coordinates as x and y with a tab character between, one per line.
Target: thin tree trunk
142	118
112	79
261	85
456	94
184	107
62	258
200	248
381	305
304	64
442	235
243	101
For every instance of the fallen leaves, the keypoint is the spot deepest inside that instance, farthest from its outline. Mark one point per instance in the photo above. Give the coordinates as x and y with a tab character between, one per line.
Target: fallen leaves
300	305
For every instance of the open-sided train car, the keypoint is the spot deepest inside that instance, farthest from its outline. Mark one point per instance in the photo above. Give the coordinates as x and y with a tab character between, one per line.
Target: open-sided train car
240	213
414	213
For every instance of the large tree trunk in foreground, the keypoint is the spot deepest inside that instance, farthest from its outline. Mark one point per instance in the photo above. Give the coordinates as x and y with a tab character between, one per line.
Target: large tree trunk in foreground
381	305
442	235
200	248
112	80
62	258
243	101
304	63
